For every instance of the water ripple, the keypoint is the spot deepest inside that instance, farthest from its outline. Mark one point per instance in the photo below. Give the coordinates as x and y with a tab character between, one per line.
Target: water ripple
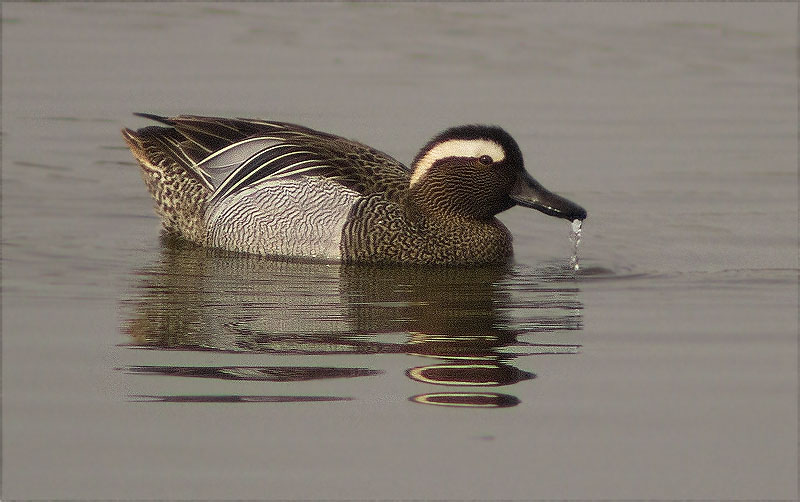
467	323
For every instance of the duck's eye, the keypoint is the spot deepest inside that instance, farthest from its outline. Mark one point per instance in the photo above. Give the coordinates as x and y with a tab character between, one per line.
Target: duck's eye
485	160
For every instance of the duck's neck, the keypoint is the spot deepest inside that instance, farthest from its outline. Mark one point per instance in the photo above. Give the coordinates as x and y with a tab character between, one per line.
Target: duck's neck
429	202
458	235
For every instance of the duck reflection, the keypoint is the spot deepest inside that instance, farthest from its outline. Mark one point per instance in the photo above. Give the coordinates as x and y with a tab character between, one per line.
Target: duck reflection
470	324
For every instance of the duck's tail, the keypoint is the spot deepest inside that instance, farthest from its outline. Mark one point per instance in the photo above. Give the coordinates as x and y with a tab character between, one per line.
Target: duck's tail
179	195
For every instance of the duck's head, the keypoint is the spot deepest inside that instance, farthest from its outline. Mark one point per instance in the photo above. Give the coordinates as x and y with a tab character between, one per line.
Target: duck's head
477	171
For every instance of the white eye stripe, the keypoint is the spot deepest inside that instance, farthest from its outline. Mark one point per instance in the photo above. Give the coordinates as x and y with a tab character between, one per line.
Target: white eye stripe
457	148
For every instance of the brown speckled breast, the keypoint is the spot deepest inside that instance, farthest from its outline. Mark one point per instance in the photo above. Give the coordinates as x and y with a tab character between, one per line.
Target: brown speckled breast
382	231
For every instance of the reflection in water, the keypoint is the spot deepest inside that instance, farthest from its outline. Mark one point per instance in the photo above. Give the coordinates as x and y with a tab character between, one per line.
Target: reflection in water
234	399
275	373
471	323
467	399
487	374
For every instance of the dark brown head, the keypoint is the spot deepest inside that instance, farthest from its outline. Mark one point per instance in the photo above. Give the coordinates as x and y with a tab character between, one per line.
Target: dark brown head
477	171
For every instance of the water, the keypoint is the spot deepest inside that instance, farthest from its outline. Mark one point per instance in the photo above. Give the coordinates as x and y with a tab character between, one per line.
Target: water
298	312
664	367
575	237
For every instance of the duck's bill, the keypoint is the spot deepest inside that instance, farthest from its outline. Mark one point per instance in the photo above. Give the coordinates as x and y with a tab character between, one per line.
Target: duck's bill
530	193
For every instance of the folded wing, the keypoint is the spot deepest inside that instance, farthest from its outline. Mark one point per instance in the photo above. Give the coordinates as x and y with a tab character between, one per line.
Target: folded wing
229	155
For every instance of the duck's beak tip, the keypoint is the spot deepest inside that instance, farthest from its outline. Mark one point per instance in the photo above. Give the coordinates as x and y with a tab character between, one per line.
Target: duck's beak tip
530	193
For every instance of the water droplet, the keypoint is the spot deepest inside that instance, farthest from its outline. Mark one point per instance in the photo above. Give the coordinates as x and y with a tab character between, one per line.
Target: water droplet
575	237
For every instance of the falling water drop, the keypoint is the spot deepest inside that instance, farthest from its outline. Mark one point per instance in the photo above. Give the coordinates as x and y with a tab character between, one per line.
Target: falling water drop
575	237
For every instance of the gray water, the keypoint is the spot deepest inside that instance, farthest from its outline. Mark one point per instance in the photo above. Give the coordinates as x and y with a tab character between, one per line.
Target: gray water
666	367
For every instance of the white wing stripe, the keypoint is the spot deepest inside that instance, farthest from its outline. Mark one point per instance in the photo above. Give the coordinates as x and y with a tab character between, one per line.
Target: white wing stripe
226	187
235	161
179	149
218	167
240	143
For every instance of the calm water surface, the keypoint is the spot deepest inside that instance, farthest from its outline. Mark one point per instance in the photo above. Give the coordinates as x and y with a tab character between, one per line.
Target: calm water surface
136	367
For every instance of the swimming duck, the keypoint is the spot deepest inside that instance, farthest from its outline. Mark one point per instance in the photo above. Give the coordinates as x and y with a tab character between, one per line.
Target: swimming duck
280	189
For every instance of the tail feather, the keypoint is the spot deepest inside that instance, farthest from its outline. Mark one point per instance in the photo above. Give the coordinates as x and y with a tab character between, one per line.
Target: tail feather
179	192
153	116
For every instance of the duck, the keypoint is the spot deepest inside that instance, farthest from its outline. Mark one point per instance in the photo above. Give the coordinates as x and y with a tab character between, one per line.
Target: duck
284	190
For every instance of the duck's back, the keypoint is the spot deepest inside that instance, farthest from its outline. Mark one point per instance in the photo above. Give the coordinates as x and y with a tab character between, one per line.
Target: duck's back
267	188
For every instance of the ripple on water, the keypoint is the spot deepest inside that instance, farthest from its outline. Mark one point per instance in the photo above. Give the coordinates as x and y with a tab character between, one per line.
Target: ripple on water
475	328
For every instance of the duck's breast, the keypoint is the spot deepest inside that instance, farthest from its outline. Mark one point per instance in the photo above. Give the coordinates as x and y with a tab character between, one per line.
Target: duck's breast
293	217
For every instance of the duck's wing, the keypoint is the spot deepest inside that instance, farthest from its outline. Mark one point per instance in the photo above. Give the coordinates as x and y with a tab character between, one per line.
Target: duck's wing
228	155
